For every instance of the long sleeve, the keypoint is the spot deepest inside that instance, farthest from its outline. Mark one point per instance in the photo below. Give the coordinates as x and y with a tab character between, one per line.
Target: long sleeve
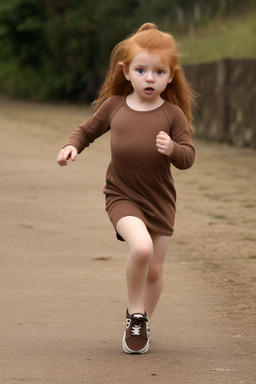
183	154
91	129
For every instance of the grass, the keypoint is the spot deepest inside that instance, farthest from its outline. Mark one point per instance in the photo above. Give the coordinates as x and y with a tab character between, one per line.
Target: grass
220	217
231	37
248	238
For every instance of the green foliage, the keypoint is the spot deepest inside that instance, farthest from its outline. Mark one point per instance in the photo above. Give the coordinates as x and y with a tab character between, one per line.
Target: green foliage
223	38
59	49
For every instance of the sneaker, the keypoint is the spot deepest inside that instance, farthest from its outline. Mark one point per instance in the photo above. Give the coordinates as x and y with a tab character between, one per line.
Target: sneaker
136	336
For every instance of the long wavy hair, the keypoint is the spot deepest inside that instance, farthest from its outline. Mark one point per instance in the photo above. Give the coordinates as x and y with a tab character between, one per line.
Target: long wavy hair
149	38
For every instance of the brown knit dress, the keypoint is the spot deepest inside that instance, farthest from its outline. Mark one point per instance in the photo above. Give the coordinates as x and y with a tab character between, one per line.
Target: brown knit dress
138	180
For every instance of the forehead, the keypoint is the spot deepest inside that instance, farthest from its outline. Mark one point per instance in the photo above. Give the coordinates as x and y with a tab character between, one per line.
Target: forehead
144	57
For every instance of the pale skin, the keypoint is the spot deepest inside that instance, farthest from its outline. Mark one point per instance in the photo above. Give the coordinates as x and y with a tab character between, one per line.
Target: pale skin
149	76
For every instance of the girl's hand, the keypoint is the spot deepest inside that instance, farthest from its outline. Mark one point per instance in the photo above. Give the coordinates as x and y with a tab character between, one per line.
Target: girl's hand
164	143
65	154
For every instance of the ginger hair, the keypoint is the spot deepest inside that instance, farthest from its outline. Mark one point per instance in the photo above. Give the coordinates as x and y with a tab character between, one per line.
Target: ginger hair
150	38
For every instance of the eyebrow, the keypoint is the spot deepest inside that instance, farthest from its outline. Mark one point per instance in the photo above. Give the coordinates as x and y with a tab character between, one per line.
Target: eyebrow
144	65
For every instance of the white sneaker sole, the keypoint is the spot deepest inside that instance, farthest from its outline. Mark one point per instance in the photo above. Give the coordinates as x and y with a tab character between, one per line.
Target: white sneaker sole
128	350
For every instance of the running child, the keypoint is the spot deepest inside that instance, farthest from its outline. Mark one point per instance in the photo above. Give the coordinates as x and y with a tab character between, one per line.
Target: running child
145	101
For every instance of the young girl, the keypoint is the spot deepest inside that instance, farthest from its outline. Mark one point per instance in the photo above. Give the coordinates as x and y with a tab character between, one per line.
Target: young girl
146	103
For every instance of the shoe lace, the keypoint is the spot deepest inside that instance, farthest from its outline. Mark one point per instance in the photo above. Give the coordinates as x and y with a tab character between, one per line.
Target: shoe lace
137	326
136	329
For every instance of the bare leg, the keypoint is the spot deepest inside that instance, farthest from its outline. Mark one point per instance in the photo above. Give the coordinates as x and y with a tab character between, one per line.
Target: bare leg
154	282
140	244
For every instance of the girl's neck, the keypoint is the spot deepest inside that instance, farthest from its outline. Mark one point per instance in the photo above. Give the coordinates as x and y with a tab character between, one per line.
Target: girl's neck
136	103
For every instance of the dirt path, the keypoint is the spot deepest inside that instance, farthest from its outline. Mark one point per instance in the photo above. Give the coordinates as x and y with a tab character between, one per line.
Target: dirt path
62	283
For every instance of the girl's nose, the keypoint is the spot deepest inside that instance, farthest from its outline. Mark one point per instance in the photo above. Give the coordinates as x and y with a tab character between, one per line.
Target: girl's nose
150	77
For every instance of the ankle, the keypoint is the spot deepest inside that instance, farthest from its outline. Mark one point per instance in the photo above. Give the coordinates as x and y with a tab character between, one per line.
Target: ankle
131	310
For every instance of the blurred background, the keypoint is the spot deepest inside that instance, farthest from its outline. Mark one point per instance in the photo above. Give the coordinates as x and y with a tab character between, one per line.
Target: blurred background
58	50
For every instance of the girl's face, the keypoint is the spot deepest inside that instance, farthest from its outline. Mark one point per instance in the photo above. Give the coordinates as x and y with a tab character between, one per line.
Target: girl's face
148	75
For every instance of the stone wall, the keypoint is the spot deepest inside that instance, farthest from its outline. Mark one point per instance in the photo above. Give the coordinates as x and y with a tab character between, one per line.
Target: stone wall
226	109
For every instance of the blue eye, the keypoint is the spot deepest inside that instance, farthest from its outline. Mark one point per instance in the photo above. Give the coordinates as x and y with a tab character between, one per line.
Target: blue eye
140	71
159	72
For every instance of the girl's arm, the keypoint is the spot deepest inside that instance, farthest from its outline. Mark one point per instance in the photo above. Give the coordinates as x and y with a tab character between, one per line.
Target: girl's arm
91	129
85	134
182	154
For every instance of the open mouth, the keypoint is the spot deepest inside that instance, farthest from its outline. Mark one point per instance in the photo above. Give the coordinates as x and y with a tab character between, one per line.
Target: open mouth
149	90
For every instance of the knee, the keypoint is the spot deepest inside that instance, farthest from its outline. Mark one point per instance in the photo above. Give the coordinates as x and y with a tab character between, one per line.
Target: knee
142	253
155	272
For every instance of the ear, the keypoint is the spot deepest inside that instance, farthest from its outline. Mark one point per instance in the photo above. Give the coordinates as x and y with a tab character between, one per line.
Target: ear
126	72
170	80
